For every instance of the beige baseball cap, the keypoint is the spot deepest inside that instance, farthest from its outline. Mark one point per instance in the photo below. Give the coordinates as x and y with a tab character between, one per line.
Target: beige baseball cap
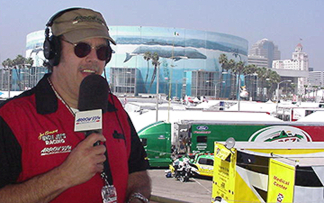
80	24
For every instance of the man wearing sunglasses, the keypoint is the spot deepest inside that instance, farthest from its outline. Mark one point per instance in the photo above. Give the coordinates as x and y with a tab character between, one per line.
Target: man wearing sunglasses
42	159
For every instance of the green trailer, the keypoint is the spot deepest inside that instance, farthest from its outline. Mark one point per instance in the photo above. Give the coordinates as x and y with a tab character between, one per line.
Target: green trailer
163	141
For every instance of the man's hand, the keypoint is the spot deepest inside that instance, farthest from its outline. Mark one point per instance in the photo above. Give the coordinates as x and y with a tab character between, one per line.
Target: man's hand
85	160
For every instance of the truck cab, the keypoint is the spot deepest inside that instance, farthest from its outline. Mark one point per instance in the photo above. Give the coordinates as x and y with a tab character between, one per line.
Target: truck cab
156	139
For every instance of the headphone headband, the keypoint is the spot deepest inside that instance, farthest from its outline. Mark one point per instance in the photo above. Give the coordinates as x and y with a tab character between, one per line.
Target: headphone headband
58	14
52	44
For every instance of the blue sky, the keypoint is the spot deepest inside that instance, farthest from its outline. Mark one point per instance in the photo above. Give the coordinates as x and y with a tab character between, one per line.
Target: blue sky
285	22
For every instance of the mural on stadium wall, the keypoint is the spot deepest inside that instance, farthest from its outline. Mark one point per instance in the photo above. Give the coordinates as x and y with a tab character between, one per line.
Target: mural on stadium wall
179	50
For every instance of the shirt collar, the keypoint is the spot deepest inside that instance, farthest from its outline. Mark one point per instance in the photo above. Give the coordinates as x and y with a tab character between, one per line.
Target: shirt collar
46	100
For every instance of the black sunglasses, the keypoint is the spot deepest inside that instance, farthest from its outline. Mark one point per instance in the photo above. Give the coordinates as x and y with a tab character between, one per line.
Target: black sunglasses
82	49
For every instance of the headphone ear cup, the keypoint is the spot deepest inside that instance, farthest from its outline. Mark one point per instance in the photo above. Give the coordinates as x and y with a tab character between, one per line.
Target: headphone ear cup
56	44
109	53
47	48
52	50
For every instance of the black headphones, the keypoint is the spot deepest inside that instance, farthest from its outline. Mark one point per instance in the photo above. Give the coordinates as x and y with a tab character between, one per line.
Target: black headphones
52	44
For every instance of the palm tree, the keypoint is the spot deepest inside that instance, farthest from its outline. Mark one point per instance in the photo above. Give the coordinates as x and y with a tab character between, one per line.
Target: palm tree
29	62
292	87
237	70
231	68
262	77
147	57
236	54
18	63
155	63
223	60
227	66
250	70
269	79
7	63
274	79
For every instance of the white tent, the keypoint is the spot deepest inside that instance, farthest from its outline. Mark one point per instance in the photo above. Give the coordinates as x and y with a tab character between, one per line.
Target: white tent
317	116
5	94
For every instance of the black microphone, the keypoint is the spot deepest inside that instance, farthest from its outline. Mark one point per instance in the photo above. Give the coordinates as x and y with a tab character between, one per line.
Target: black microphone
93	93
93	101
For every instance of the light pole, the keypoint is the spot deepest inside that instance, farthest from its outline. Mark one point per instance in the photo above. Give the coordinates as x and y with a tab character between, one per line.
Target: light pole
278	92
9	80
216	86
239	93
157	92
238	89
236	54
252	85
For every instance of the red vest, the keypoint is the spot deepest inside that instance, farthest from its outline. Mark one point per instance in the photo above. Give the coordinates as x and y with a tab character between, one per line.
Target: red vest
47	139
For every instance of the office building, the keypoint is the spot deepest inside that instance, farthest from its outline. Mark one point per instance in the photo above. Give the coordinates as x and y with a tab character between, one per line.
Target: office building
296	67
259	61
267	49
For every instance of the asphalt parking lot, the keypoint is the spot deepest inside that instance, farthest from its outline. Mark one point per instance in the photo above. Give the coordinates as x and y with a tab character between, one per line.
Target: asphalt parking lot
196	190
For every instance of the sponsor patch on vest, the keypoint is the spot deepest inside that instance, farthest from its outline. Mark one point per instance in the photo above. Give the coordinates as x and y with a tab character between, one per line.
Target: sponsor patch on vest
56	150
52	137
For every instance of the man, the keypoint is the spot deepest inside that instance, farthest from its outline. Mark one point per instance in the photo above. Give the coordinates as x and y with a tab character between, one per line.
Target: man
42	158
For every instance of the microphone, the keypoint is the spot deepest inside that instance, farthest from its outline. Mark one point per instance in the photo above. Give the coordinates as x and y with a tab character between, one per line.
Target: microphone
93	101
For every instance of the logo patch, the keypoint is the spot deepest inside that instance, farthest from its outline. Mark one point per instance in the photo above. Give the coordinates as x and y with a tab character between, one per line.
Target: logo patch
202	127
52	137
56	150
280	134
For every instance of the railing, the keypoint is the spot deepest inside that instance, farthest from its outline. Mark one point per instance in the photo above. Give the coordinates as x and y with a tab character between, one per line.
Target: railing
159	199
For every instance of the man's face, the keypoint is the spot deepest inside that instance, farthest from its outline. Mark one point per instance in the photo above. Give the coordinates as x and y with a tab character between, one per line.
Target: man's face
72	69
